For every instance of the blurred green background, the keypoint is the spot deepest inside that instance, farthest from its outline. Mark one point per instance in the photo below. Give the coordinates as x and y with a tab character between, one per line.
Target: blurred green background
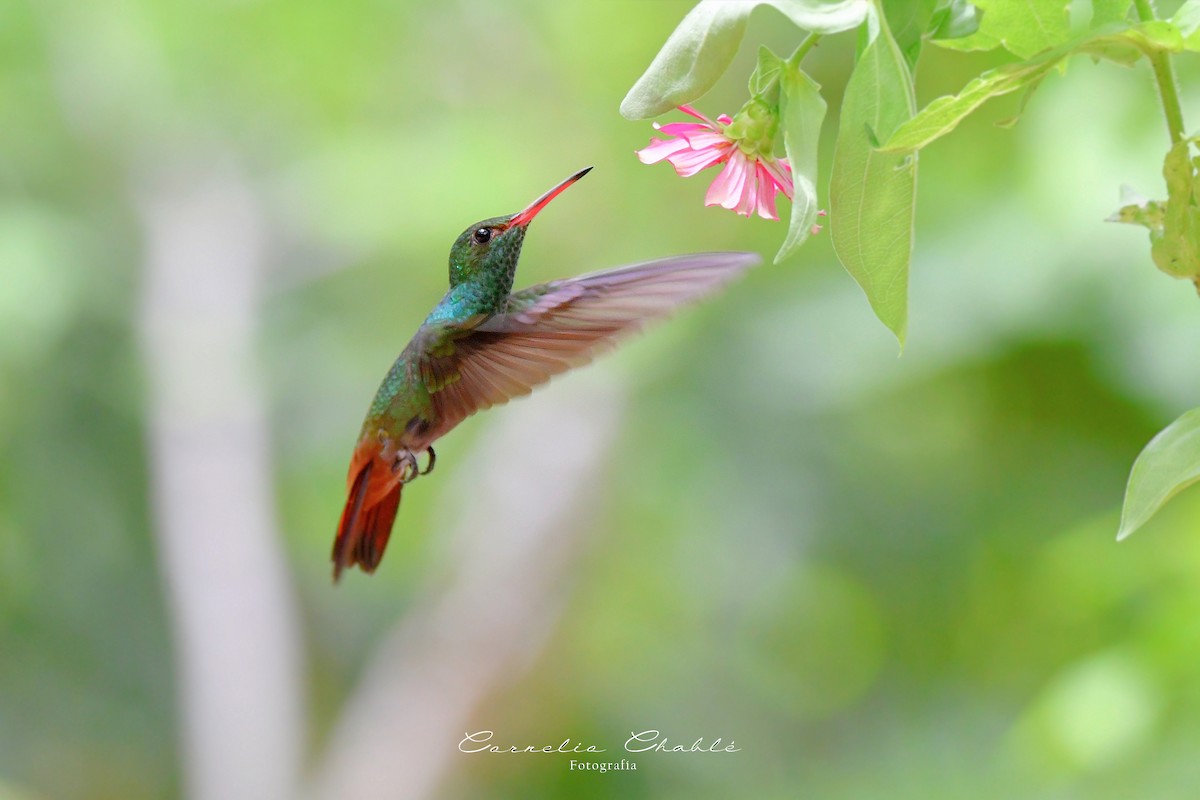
882	577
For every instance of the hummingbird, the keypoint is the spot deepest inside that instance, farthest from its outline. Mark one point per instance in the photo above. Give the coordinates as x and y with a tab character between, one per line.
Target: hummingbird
484	344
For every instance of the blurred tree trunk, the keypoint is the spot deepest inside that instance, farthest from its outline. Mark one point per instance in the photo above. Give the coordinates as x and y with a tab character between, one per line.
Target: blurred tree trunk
225	572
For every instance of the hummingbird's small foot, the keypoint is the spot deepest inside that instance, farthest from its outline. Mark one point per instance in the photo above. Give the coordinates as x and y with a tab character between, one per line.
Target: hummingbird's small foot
406	466
432	460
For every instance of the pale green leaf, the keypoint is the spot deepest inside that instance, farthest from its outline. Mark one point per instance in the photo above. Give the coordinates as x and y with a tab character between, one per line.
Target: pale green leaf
816	16
1141	211
1168	465
909	20
872	193
699	51
943	114
1187	20
1128	45
957	20
1174	224
1024	27
1026	95
1177	251
1108	12
766	74
695	55
802	110
979	40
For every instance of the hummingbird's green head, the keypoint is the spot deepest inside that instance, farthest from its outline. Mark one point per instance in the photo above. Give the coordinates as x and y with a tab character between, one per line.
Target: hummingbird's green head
490	248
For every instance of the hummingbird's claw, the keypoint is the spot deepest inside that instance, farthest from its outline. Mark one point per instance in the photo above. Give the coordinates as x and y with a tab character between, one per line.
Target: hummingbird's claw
406	466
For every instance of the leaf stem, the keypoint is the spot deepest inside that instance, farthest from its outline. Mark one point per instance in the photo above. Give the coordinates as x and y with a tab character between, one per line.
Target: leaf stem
1164	74
808	44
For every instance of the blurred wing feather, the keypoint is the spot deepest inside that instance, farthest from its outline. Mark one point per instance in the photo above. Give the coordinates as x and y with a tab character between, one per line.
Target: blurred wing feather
554	326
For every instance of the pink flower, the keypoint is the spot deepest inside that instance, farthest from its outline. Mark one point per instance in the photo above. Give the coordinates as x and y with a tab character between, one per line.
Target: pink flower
748	183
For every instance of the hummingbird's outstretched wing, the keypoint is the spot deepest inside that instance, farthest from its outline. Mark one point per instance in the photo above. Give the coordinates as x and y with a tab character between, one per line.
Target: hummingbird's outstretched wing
554	326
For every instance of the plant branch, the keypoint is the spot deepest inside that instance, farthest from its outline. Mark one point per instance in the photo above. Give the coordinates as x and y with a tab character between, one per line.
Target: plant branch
1164	74
808	44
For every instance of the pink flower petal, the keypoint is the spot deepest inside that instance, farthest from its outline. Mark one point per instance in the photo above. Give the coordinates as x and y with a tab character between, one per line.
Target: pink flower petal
691	112
748	200
766	205
745	185
683	128
658	149
718	190
767	189
699	141
688	162
779	177
727	187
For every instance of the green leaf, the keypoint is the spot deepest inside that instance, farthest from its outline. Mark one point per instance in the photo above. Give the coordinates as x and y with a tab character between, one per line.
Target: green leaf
766	74
955	21
1026	95
980	40
1187	20
1128	45
1023	27
1174	225
695	55
1108	12
817	16
871	193
1140	211
1028	28
943	114
908	21
1168	465
699	51
802	110
1177	250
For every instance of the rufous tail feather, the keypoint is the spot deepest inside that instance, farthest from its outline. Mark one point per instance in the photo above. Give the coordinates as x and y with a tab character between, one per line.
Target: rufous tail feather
373	497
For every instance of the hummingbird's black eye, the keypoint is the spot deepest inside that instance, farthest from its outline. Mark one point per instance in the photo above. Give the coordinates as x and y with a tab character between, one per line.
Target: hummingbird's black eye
483	235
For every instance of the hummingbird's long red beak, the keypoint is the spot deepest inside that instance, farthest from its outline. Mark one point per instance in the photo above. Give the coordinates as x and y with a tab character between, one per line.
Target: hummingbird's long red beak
523	218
